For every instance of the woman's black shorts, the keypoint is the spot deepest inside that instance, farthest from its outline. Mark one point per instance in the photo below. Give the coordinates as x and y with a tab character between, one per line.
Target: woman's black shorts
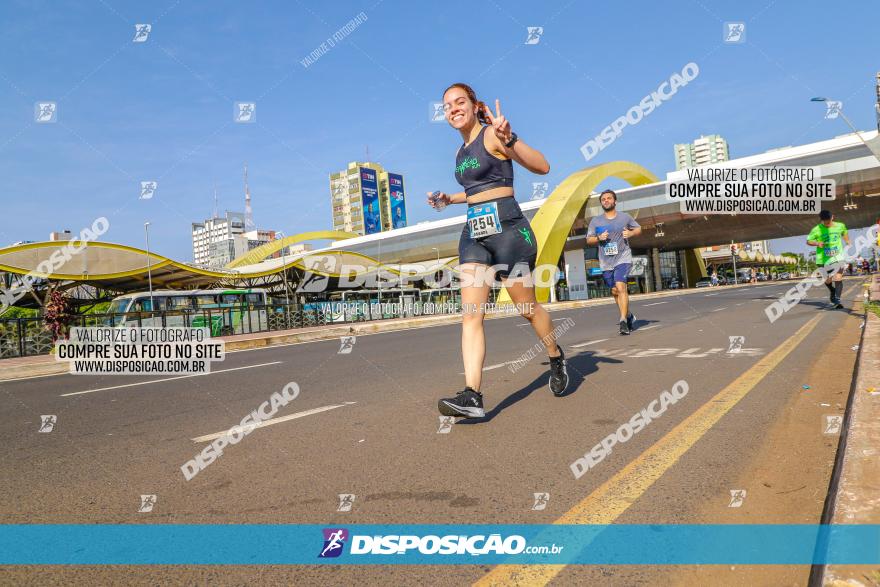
511	251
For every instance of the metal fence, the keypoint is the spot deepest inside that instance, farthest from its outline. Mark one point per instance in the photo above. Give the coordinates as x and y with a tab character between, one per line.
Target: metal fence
28	336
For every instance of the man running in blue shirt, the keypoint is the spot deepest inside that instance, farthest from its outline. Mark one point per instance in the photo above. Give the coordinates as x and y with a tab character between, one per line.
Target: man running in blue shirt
610	232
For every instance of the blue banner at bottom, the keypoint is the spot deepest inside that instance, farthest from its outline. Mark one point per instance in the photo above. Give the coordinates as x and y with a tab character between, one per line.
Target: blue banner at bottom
172	544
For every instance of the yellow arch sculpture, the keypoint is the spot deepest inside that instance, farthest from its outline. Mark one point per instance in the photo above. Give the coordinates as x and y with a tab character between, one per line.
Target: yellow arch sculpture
554	219
265	251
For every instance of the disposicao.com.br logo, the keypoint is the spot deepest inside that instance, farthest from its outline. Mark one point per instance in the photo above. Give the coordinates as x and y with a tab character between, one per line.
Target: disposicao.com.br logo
475	545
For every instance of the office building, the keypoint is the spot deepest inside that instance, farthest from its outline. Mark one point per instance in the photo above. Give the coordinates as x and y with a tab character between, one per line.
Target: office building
703	151
367	199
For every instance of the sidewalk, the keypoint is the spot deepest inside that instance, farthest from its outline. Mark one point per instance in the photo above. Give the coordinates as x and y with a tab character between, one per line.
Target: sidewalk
22	367
857	498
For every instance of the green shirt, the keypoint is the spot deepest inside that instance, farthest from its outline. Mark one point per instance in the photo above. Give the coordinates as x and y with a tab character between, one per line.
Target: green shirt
832	239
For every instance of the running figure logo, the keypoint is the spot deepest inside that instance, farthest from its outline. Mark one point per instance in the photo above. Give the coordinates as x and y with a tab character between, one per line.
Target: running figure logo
539	189
736	344
833	108
445	424
147	503
534	35
334	541
141	32
148	189
734	32
316	279
45	112
48	423
437	112
541	501
832	424
346	500
346	344
526	235
737	497
245	112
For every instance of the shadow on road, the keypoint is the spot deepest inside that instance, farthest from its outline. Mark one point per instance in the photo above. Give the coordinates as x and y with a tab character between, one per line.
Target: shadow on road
639	323
827	306
579	367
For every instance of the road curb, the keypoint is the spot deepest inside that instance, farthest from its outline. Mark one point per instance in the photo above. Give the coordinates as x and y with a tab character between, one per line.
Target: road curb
854	493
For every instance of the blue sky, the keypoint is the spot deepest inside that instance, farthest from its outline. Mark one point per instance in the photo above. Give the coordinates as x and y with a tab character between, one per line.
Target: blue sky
163	109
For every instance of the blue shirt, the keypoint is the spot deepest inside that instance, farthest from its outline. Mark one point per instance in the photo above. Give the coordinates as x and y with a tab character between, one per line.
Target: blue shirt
615	250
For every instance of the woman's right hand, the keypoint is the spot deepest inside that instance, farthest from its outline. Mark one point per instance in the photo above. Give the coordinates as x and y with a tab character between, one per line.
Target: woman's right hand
441	197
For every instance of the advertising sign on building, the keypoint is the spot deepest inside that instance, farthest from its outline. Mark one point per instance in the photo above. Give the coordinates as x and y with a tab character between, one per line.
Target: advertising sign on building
370	201
397	200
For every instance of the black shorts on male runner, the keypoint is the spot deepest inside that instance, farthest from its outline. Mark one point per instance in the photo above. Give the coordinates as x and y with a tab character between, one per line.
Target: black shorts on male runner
512	250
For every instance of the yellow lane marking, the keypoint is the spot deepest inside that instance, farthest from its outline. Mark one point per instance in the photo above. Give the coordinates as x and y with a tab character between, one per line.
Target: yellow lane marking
618	493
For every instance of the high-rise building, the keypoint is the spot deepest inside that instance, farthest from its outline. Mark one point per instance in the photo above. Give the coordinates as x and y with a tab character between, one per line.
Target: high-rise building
217	241
877	104
366	199
703	151
221	252
211	239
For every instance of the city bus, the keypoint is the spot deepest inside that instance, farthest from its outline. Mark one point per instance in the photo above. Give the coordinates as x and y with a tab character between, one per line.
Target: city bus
224	311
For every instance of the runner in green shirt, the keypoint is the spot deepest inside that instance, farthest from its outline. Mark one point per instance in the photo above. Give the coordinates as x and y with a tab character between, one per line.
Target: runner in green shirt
829	237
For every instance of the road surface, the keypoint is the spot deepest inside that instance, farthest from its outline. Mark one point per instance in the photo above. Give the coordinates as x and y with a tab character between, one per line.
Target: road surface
366	424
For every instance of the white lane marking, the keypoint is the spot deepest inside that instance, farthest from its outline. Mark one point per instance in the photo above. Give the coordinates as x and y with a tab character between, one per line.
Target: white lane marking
264	423
655	304
577	346
738	305
169	379
719	309
648	327
490	367
710	295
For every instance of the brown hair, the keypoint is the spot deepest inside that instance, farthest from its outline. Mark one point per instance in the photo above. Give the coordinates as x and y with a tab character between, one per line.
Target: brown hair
472	96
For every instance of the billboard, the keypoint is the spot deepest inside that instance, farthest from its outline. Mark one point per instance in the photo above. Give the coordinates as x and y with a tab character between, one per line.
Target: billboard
370	201
397	200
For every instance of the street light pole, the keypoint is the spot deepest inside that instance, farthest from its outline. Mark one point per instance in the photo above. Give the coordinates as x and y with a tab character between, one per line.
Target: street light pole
734	251
149	265
850	124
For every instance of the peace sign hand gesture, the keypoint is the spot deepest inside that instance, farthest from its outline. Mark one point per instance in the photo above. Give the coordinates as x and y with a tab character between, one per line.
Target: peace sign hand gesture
499	123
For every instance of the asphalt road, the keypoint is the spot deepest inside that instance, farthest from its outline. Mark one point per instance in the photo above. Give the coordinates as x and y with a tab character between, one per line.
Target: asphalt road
369	426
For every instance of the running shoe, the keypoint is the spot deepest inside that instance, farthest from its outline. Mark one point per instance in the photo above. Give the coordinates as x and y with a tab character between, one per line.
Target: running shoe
838	306
630	321
624	328
466	404
558	373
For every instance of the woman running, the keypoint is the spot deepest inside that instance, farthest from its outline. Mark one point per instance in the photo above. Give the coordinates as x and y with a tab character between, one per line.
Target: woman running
497	240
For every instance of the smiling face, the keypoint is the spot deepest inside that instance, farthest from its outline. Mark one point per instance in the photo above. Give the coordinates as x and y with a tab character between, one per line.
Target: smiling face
460	111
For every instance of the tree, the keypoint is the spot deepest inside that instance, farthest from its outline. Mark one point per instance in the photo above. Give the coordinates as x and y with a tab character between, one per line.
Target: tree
58	315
